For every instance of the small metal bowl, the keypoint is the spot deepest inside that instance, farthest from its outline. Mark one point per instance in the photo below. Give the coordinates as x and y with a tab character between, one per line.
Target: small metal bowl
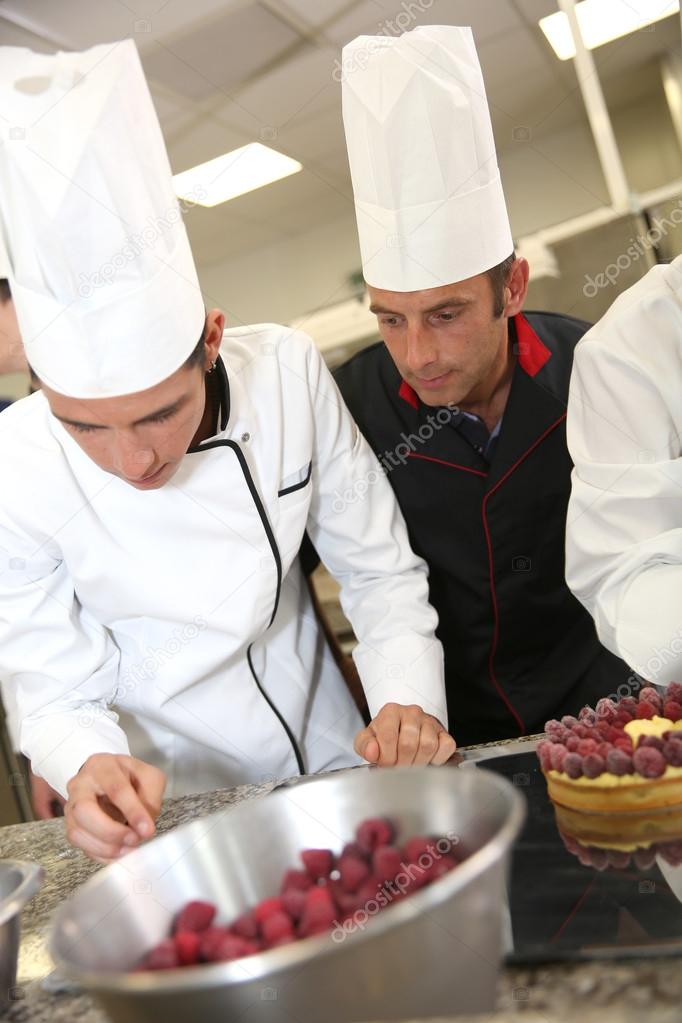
19	882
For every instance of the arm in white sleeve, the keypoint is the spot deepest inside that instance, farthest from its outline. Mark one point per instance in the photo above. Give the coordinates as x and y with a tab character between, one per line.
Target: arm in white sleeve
60	664
624	527
360	534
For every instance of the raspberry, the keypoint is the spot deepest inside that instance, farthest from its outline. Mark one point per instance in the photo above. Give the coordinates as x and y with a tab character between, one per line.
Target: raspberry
573	765
672	710
587	716
187	946
671	852
606	710
246	925
650	740
581	730
649	695
599	858
587	746
318	862
296	879
264	909
644	858
623	716
672	751
276	926
543	750
558	736
352	872
553	727
556	756
568	721
624	743
231	946
319	912
374	832
386	862
293	902
645	711
420	844
618	859
209	941
572	743
648	762
674	692
195	916
619	762
163	956
629	704
603	727
353	849
604	749
593	765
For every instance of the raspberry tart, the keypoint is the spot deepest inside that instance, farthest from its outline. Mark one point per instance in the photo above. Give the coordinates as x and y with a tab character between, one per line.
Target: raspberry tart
619	758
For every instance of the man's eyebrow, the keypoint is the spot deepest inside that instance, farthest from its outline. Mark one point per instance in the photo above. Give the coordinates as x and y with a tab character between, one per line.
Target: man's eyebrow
446	303
165	411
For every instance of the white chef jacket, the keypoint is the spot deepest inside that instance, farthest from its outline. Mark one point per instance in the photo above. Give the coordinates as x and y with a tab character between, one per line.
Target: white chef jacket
624	529
185	606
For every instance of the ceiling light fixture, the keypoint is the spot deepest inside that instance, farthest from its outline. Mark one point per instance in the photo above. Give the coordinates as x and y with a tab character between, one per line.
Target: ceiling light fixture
233	174
602	21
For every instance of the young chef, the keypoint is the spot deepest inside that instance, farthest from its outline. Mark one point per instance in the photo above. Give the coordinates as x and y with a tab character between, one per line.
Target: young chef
156	491
624	535
465	401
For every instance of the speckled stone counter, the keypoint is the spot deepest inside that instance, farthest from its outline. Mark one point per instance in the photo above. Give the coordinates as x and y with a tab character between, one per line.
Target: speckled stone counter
611	992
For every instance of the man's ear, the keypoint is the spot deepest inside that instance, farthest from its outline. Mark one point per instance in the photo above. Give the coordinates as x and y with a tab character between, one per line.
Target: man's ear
516	288
215	325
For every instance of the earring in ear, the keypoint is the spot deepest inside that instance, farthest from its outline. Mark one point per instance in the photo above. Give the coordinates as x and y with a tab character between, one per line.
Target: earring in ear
213	366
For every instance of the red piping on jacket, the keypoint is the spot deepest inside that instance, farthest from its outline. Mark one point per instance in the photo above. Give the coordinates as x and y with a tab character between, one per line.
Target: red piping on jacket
491	565
450	465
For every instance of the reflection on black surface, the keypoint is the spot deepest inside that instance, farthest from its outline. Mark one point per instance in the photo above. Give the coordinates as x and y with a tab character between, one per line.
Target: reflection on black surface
563	909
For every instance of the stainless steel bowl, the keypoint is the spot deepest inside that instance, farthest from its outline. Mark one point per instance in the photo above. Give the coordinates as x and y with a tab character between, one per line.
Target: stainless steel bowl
19	881
434	953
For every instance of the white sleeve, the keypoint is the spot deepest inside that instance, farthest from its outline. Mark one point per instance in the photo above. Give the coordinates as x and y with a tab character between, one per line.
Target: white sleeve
60	665
624	526
360	534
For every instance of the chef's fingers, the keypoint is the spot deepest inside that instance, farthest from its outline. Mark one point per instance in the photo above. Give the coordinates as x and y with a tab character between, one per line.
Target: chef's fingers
84	813
103	852
366	745
386	727
446	748
428	740
149	783
411	721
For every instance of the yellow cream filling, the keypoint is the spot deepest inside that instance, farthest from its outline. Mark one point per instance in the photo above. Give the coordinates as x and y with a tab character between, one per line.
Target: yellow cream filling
653	726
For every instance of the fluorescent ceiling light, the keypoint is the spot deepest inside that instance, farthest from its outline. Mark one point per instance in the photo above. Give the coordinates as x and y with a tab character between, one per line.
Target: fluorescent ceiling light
233	174
601	21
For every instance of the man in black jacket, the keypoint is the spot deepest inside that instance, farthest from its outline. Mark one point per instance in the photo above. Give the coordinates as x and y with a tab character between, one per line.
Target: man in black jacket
464	402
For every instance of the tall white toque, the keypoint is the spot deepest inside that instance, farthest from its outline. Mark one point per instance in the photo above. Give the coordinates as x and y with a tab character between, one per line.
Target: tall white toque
100	267
428	196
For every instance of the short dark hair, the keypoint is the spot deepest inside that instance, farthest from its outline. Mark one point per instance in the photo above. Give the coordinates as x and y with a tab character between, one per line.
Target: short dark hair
498	279
5	292
196	356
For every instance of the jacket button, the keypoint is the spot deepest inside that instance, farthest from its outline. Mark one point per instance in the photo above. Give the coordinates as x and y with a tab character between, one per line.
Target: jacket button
246	437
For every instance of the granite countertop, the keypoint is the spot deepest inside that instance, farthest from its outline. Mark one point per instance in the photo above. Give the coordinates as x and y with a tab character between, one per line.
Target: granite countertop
611	991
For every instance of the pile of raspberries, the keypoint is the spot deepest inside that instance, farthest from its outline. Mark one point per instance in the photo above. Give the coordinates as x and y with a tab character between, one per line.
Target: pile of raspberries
326	892
595	742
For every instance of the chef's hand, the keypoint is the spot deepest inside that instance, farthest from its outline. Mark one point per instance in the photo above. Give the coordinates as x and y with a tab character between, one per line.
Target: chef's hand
113	803
46	801
404	735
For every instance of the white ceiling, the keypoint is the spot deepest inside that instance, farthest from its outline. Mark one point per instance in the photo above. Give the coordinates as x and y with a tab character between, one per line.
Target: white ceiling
226	72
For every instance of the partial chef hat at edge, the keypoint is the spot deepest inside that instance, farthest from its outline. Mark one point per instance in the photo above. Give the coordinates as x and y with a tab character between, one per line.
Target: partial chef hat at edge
428	196
101	270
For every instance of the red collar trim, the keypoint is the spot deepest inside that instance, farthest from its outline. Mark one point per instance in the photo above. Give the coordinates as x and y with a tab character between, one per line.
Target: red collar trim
532	353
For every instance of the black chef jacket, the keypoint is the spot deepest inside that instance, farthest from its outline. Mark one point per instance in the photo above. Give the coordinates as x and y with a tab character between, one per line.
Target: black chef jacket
519	648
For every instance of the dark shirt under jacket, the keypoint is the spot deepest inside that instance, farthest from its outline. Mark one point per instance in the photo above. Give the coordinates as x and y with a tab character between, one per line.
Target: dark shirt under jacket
519	647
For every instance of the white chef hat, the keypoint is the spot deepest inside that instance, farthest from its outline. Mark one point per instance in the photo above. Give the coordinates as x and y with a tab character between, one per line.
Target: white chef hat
101	271
428	196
